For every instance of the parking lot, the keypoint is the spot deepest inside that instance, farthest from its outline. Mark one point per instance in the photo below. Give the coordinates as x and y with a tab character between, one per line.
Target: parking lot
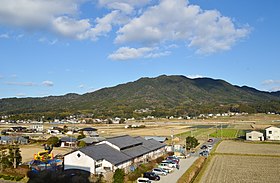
176	174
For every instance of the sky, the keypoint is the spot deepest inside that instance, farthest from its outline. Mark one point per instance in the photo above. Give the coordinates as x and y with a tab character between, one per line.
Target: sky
57	47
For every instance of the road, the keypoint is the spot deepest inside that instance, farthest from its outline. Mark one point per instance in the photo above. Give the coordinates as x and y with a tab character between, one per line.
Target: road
174	176
185	164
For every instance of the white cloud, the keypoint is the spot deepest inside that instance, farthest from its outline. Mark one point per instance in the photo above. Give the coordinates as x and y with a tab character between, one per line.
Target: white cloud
35	13
125	53
195	76
206	31
81	86
4	36
276	88
20	94
21	83
47	41
47	83
141	23
271	82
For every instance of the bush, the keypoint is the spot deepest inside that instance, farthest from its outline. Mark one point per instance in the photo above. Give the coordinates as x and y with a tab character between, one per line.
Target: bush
53	141
118	176
159	159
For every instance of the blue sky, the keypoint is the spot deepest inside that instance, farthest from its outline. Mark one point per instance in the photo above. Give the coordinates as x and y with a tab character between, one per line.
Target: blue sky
77	46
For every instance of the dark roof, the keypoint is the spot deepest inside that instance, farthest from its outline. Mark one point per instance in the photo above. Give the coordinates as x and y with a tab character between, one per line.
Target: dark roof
104	151
157	138
68	139
124	141
136	151
13	138
88	129
150	144
90	140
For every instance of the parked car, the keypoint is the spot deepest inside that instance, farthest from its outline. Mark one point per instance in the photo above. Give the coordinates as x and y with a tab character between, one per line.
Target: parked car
170	163
210	140
166	167
177	160
159	171
143	180
151	176
204	153
210	147
204	147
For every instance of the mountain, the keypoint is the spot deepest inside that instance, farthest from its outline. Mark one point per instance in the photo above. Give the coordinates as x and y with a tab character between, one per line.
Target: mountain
177	94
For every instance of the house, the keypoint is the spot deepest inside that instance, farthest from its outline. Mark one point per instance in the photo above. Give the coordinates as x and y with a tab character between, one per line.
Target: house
55	130
37	127
18	129
13	140
68	142
92	140
89	132
254	136
123	152
157	138
272	133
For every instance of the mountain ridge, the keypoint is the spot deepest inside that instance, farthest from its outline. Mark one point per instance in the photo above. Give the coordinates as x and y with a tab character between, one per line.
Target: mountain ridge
171	93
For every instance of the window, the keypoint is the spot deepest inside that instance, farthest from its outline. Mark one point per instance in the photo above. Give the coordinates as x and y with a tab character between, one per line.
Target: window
270	132
250	137
78	155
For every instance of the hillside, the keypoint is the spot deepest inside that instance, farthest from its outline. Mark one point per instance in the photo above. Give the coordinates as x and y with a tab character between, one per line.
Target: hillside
163	94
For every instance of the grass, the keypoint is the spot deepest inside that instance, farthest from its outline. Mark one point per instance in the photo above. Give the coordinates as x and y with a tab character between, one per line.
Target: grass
225	133
192	172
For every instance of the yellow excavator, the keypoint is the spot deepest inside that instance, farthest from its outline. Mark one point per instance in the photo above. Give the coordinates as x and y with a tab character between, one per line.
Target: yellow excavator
44	155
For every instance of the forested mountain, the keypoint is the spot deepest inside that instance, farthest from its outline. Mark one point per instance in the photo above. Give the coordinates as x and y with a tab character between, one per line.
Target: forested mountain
164	95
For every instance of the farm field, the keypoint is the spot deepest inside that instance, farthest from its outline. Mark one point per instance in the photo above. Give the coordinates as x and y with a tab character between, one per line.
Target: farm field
225	133
234	147
235	161
232	168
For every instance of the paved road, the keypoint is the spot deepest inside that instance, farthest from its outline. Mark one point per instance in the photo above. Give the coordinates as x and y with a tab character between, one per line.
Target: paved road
174	176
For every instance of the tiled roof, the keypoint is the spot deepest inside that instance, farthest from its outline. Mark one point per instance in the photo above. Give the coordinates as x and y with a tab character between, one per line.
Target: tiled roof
88	129
90	140
104	151
136	151
150	144
124	141
68	139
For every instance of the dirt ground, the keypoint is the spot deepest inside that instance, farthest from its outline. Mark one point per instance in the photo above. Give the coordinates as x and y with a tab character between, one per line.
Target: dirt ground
28	151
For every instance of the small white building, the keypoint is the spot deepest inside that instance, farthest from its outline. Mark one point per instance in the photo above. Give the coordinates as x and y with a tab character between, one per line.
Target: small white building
272	133
38	127
254	136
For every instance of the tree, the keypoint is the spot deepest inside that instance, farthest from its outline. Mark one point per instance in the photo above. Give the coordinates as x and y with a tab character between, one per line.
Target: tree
118	176
191	142
53	141
82	144
81	136
14	156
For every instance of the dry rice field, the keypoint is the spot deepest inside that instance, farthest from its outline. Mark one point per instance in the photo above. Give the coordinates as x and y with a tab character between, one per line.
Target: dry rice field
234	147
243	169
243	162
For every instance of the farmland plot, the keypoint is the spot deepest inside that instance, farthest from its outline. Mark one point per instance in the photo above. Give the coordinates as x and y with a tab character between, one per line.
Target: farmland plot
234	168
248	148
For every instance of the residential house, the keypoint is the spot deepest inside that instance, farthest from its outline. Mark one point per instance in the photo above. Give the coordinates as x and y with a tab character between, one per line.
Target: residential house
272	133
92	140
37	127
89	132
157	138
13	140
68	142
123	152
254	136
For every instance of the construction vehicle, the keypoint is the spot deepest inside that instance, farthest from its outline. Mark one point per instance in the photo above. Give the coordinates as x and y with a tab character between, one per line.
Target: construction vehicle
44	155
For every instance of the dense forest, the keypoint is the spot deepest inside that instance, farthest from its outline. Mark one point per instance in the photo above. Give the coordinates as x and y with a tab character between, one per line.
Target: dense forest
163	96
